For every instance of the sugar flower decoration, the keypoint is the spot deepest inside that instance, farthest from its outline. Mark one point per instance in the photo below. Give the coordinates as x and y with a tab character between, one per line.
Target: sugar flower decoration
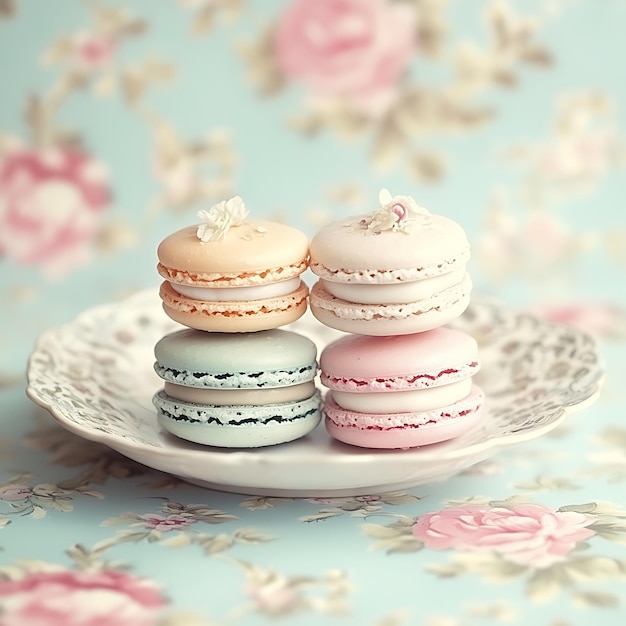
220	218
396	213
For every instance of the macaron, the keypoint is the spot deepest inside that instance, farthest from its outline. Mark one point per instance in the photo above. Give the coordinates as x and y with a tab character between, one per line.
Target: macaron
399	270
234	274
237	390
401	391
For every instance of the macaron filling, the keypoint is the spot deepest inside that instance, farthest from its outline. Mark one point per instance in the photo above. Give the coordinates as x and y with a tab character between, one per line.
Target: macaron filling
403	401
402	420
190	413
393	293
322	300
238	294
250	397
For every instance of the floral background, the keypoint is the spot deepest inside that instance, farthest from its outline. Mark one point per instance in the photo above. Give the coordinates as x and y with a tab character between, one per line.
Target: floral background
118	121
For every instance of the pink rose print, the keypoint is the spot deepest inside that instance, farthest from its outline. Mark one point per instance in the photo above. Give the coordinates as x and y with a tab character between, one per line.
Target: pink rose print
66	598
50	207
358	49
92	50
585	154
368	499
165	523
15	493
532	246
545	235
594	318
525	534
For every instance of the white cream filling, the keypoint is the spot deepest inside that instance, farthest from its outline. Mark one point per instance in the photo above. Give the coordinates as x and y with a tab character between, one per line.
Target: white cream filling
403	401
229	397
234	294
394	293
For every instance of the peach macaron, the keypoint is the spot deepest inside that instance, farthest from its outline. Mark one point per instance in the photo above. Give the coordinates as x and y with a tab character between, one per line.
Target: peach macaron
234	274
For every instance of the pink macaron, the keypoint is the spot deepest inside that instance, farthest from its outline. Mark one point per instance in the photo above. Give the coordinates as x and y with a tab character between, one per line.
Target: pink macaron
401	391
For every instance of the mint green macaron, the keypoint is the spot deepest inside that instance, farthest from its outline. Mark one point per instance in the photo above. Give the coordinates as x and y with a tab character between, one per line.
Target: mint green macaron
237	390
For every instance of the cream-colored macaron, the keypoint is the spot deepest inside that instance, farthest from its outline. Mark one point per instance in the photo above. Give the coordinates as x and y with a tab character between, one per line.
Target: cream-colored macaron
397	271
233	274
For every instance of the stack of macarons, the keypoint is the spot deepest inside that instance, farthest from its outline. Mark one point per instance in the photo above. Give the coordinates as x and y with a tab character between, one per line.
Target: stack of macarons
394	279
232	379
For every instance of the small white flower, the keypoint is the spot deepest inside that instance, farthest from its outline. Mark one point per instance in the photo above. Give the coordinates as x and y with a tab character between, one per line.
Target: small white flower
400	207
384	197
396	213
220	218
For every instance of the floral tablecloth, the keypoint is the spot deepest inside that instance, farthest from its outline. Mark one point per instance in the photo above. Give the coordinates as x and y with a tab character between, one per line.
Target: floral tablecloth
120	120
536	534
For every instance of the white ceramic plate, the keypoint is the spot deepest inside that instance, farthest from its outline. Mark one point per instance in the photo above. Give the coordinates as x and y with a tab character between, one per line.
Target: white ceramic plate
95	377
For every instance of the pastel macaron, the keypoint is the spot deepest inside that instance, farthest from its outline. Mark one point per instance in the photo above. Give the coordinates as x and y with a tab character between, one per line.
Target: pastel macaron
401	391
234	274
237	390
399	270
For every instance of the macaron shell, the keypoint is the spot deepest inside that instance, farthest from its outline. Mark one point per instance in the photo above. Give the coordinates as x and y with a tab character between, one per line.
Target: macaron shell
238	426
232	279
257	252
237	316
403	430
344	252
398	363
269	358
390	319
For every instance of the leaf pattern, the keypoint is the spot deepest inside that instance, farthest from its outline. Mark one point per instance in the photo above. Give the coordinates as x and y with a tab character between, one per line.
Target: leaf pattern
546	483
588	599
415	109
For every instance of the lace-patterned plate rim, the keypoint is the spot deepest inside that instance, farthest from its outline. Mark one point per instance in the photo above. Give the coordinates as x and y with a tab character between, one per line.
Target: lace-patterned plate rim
94	375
